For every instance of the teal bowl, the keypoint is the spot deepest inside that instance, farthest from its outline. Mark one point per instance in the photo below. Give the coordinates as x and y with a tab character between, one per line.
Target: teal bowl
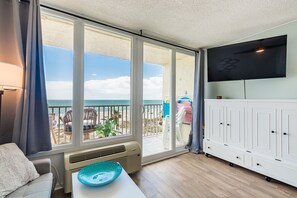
100	173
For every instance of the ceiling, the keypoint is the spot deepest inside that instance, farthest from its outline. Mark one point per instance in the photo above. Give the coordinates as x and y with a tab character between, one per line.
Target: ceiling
192	23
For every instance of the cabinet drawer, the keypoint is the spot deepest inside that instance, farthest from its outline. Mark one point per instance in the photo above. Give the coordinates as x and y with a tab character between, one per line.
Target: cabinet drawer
277	170
224	152
264	166
214	149
235	156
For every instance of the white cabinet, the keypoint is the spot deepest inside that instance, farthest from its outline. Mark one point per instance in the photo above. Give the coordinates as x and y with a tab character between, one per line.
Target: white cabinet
260	135
215	121
288	134
235	124
225	123
263	128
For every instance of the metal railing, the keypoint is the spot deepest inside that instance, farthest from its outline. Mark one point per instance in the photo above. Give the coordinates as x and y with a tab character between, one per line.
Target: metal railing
152	120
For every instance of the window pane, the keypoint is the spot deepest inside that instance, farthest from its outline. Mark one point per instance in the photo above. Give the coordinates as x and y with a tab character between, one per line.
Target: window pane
156	99
58	62
107	84
185	68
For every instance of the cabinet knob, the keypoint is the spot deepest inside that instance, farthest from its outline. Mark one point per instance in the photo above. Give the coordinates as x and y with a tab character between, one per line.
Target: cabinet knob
228	124
258	164
272	131
285	133
221	123
237	157
208	147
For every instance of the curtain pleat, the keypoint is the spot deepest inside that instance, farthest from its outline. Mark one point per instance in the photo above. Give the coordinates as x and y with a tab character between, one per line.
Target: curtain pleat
31	128
195	142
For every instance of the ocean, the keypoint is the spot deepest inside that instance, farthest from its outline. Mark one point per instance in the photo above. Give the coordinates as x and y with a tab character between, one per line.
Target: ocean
56	103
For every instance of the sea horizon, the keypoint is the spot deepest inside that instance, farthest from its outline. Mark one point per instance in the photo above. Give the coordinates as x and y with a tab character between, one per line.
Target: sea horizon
98	102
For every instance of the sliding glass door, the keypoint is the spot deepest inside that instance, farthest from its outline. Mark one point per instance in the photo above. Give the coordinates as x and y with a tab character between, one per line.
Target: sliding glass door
184	75
167	87
156	96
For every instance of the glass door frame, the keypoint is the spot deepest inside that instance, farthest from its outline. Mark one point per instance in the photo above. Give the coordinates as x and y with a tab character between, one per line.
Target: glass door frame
189	53
138	71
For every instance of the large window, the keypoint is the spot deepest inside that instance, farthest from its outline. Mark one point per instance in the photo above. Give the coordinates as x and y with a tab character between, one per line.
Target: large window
107	84
58	61
100	90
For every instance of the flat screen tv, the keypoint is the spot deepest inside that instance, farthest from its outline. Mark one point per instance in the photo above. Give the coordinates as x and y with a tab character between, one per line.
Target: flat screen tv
263	58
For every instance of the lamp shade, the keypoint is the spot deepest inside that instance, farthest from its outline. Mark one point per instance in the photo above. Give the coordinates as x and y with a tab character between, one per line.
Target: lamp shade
11	76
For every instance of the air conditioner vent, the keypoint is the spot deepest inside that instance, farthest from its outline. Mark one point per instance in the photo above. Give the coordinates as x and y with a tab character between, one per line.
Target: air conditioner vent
96	154
128	154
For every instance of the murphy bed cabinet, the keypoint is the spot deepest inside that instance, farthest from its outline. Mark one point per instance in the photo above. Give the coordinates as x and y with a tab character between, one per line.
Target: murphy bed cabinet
260	135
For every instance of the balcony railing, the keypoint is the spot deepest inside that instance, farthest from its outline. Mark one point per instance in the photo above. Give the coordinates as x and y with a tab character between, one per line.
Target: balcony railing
152	120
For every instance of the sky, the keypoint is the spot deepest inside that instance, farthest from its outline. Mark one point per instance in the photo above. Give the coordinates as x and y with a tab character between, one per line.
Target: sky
106	78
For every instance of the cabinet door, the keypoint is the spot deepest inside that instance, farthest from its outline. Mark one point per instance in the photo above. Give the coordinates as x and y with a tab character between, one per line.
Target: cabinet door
216	122
263	128
289	134
235	118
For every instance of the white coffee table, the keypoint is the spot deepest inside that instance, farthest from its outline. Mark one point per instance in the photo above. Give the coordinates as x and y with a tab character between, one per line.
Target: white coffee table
122	187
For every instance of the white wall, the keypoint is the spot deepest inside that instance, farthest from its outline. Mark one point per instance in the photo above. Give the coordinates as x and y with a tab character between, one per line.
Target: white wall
275	88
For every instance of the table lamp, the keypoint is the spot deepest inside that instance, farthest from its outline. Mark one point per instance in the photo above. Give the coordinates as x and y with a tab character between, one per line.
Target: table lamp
11	78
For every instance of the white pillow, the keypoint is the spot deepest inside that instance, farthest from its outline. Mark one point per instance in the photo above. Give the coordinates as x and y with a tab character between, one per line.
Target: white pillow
15	169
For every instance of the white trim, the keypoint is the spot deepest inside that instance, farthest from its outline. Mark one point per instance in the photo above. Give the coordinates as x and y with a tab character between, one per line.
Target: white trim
173	99
71	148
78	83
137	88
163	157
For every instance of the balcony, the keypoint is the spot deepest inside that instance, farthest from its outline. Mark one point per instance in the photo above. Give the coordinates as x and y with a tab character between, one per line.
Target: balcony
152	124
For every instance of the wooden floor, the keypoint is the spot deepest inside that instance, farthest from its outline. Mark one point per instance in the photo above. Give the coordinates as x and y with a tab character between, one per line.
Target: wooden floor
192	175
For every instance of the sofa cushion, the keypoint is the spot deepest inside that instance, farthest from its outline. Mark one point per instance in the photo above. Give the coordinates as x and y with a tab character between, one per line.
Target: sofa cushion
15	169
40	187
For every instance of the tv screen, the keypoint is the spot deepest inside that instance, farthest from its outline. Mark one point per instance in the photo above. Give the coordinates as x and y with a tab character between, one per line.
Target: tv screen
263	58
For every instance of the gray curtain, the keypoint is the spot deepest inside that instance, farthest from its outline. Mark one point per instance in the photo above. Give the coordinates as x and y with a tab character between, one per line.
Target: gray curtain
195	142
31	128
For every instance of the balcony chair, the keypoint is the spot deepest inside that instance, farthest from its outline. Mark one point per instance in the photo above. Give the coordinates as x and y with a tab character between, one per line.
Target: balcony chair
166	128
89	122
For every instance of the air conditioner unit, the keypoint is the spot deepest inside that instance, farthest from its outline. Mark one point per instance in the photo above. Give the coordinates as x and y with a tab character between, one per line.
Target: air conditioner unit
127	154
